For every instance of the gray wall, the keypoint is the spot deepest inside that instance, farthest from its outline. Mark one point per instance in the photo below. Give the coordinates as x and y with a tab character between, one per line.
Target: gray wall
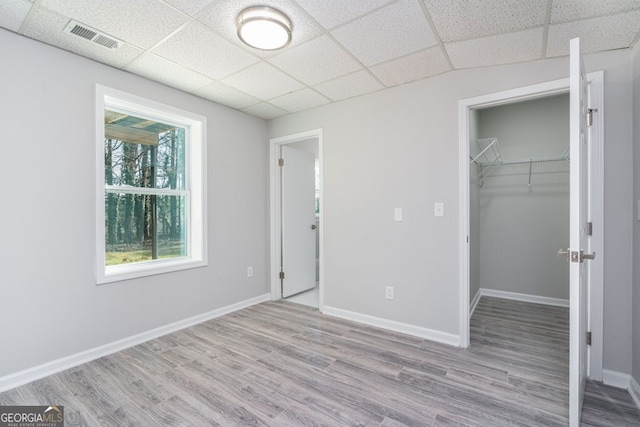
636	223
523	227
51	306
399	148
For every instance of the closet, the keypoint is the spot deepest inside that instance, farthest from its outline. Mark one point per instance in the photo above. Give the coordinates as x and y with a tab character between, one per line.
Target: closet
519	200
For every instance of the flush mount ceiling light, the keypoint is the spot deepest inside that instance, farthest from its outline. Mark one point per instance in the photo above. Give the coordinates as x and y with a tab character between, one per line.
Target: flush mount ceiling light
264	28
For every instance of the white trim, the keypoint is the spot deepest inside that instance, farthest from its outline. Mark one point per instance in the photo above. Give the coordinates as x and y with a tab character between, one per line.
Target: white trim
404	328
616	379
634	391
535	299
196	189
274	197
37	372
597	275
474	302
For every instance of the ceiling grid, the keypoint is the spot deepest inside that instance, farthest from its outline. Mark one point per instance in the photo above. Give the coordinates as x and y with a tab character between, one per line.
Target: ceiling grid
338	49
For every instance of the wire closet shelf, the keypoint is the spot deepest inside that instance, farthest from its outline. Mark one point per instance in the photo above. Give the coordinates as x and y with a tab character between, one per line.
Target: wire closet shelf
487	156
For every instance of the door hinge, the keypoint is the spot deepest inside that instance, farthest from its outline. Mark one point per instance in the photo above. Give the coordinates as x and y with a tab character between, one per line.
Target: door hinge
590	112
280	162
590	228
282	275
588	338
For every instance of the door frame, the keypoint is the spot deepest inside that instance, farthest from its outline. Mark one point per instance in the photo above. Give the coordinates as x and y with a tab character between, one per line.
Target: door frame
275	244
596	196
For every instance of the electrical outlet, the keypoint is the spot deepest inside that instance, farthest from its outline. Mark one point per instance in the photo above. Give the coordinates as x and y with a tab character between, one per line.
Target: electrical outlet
249	271
388	292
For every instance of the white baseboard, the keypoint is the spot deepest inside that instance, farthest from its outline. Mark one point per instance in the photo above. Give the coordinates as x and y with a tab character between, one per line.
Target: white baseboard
474	302
37	372
634	391
405	328
524	297
616	379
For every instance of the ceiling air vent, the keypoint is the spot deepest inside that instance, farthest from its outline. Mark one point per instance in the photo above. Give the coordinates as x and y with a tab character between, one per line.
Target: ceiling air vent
92	35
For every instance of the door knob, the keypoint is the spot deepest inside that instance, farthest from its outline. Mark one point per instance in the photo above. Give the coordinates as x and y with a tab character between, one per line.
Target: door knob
313	227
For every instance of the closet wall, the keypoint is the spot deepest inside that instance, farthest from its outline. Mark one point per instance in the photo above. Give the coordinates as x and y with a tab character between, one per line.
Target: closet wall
522	220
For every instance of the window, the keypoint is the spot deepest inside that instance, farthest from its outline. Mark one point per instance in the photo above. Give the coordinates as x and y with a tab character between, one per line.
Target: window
150	187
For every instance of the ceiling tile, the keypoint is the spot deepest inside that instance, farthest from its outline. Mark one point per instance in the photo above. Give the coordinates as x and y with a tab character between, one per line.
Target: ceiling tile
466	19
500	49
265	111
393	31
316	61
190	7
221	18
163	71
355	84
596	34
300	100
142	23
263	81
226	95
13	12
47	26
571	10
331	13
412	67
199	49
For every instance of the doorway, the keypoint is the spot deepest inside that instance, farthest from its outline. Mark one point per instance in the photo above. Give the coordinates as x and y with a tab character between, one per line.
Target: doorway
519	201
466	109
296	241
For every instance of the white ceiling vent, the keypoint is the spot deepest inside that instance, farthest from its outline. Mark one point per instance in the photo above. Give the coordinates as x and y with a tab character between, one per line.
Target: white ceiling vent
91	34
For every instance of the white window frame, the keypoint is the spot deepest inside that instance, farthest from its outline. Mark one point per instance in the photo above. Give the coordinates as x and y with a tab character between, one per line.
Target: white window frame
195	163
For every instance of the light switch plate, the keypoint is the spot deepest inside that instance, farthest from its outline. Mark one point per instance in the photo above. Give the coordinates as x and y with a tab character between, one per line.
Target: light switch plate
438	209
397	214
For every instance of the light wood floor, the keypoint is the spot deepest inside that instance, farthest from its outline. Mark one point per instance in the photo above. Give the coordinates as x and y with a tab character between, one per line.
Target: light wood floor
284	364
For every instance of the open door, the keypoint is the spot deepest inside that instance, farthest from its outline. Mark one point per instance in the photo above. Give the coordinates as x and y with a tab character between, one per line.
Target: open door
298	221
578	235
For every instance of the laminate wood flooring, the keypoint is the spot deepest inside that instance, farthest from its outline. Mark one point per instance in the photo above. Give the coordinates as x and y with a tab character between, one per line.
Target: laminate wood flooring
284	364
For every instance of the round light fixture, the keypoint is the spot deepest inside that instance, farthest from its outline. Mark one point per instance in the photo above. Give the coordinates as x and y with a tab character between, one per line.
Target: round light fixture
264	28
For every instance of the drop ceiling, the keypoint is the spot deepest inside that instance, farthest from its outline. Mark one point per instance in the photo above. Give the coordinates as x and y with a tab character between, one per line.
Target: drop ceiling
340	48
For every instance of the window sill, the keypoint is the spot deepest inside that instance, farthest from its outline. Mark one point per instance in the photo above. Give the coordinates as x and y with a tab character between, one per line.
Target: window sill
118	273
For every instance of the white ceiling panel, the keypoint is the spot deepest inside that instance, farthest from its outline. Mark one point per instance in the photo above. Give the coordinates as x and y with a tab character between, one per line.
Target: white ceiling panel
199	49
221	18
569	10
331	13
299	100
393	31
13	12
142	23
466	19
190	7
163	71
265	111
316	61
348	86
263	81
226	95
495	50
596	34
412	67
47	26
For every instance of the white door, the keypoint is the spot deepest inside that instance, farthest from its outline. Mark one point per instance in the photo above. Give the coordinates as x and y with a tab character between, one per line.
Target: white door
298	221
578	239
